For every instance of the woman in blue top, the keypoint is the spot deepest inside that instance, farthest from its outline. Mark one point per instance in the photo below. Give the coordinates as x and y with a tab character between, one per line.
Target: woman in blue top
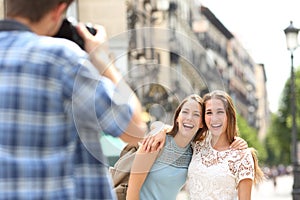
161	174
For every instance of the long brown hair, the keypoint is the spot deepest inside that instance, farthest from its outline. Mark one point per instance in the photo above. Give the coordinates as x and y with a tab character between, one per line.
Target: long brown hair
175	128
232	127
33	10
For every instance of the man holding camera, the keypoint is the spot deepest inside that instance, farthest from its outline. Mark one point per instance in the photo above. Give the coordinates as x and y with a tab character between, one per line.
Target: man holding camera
54	100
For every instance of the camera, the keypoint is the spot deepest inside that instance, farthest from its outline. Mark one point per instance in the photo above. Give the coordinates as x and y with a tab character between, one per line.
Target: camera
68	31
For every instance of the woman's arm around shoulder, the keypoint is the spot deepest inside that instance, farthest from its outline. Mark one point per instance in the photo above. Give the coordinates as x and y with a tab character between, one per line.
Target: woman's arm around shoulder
157	137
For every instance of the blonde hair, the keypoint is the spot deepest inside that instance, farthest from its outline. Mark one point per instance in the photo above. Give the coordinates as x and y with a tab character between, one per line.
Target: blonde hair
258	173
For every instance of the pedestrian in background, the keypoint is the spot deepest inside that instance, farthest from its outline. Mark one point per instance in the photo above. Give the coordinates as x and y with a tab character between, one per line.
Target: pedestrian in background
50	89
274	175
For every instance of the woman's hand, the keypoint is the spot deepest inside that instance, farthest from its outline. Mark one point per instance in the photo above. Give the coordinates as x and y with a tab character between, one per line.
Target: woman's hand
239	143
156	138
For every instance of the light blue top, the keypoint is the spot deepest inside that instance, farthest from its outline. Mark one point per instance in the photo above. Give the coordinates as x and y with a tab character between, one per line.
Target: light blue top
168	173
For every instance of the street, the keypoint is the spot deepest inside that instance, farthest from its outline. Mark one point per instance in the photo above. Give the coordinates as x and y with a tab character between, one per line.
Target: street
266	190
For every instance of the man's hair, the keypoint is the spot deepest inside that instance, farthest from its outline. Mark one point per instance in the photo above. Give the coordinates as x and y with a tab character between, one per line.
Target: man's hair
33	10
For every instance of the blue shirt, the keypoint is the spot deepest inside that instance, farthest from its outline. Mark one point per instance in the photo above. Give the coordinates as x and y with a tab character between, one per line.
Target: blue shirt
53	106
168	173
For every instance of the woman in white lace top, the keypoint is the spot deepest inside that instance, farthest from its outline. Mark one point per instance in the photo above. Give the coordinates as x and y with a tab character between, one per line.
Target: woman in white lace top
216	171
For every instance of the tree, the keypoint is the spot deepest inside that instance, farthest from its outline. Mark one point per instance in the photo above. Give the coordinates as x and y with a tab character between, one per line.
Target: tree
279	140
250	135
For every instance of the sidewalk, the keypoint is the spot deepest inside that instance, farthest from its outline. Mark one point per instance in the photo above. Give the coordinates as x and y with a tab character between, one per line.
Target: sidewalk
266	190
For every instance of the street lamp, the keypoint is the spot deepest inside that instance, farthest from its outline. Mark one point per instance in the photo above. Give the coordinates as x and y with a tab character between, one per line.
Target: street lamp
291	34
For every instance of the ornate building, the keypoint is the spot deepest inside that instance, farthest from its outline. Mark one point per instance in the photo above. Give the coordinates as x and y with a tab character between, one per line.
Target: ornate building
168	49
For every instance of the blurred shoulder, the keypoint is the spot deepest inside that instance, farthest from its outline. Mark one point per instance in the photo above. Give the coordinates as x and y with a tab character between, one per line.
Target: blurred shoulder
62	47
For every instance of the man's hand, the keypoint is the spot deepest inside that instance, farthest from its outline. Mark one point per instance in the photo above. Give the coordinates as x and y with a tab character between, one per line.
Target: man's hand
91	42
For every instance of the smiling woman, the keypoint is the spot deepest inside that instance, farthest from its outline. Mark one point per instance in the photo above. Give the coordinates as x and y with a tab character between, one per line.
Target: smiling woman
214	163
160	175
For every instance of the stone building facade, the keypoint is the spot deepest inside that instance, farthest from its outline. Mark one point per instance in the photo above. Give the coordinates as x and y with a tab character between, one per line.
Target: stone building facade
168	49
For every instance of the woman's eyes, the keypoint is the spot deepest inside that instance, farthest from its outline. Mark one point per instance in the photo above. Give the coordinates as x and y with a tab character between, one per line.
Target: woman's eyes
218	112
186	112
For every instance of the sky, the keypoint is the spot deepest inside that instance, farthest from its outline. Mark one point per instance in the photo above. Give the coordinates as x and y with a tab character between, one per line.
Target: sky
259	25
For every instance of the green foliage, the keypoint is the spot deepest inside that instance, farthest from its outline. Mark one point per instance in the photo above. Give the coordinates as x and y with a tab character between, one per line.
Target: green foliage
278	141
250	135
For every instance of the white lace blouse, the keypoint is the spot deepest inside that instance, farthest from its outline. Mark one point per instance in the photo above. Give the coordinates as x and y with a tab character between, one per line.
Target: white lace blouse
215	175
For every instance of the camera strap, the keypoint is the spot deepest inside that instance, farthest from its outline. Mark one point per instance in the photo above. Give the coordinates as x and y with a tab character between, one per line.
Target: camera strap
12	25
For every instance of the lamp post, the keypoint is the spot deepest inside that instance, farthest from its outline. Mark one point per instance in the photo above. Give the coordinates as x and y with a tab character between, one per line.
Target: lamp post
291	34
